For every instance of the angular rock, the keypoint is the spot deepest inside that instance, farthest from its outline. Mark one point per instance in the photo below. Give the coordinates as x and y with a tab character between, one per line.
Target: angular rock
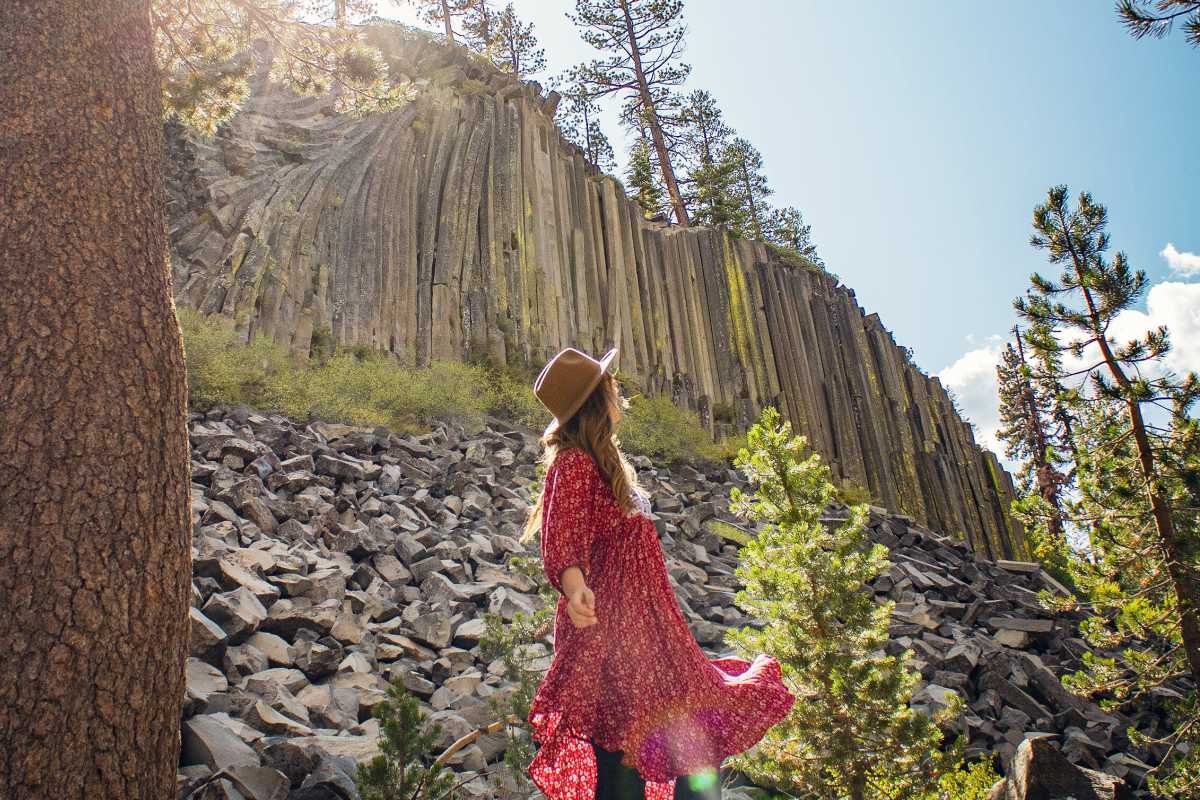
208	740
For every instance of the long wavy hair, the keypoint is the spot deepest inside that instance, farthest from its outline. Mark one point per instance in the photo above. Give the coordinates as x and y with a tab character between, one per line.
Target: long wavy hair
592	430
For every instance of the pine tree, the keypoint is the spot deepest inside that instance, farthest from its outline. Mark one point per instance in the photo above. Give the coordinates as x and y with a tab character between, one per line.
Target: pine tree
1136	612
703	137
479	27
93	437
786	228
750	188
404	770
1157	18
1077	239
205	51
579	122
516	46
641	176
1026	415
641	40
444	13
852	731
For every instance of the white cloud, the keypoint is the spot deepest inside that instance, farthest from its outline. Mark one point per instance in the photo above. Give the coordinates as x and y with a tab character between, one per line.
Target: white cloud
1186	264
1176	305
972	378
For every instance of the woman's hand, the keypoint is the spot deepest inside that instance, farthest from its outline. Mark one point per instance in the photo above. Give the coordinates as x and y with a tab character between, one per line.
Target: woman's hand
581	603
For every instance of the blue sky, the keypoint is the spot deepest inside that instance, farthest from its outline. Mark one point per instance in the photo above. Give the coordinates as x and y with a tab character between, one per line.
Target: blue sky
917	138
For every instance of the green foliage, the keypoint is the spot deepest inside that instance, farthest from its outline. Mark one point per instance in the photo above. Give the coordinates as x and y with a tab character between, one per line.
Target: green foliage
786	229
206	54
363	387
510	643
513	46
702	137
443	13
750	188
1035	425
852	494
643	181
1048	546
357	386
851	731
221	368
578	120
1156	18
656	427
970	782
794	259
1136	479
404	768
640	42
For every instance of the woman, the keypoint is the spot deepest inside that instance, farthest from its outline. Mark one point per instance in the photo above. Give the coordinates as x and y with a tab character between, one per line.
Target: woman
630	701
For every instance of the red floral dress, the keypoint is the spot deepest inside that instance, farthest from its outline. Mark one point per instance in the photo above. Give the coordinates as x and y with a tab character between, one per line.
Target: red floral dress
636	681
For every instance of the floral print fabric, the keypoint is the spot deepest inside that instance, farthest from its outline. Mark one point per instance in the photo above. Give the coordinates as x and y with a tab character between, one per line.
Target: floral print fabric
636	681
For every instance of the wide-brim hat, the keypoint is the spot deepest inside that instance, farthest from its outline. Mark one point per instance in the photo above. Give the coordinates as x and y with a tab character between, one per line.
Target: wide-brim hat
566	381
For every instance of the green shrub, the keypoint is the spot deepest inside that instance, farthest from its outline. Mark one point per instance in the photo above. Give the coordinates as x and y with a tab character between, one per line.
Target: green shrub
357	386
405	768
852	494
510	396
723	412
656	427
852	729
360	386
512	642
221	368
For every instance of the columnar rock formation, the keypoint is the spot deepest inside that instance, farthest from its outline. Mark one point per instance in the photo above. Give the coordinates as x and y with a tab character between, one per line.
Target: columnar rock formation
463	226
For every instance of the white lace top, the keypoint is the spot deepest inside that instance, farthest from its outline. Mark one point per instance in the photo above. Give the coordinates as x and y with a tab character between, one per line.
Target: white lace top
641	502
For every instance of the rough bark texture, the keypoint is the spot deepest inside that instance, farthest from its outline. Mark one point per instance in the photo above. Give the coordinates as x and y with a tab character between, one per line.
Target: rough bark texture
94	533
463	225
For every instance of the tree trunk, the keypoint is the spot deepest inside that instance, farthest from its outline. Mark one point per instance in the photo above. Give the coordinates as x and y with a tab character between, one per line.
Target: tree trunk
656	135
94	522
448	21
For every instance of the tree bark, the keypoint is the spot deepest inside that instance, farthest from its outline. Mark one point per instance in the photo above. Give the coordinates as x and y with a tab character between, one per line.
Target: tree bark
656	135
448	21
94	522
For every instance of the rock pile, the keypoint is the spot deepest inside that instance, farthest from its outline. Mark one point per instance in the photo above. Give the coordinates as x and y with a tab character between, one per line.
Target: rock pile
330	560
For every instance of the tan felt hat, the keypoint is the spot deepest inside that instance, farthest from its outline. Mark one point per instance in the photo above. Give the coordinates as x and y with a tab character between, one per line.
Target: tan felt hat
567	380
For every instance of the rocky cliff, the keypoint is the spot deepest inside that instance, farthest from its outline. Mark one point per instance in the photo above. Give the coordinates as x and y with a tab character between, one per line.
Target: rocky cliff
463	226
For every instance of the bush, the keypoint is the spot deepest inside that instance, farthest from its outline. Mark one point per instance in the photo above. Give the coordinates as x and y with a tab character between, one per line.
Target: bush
511	643
656	427
850	493
221	368
356	386
359	386
405	768
510	395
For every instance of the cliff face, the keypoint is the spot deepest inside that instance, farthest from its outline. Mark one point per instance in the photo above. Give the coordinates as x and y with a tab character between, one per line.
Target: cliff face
462	225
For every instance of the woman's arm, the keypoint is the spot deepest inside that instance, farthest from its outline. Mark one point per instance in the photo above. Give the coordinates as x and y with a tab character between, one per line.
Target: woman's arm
581	603
568	528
